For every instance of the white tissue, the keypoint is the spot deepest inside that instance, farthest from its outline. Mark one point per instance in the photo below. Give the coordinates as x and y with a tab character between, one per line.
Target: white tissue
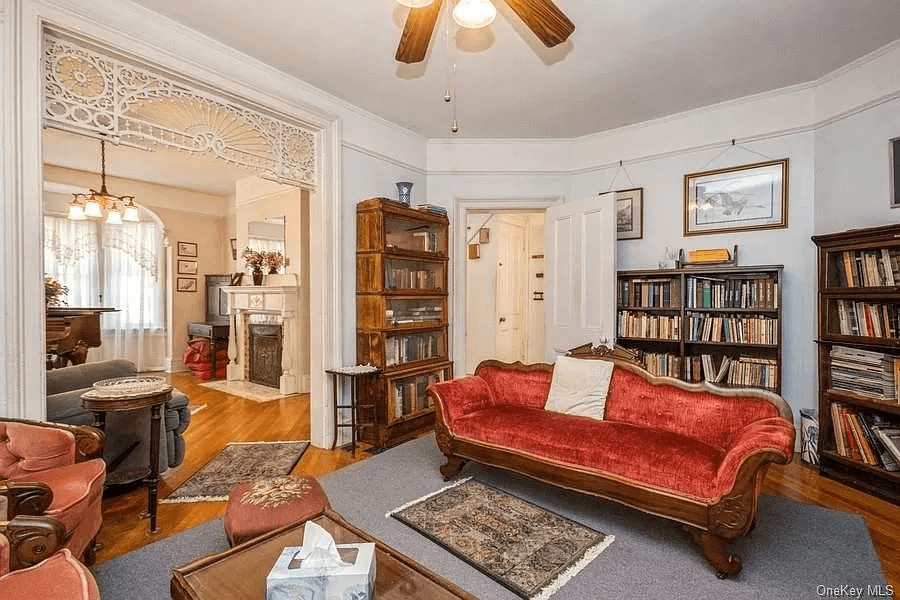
319	550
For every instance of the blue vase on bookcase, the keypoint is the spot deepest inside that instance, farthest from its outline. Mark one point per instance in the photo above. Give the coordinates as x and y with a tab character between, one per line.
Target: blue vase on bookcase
404	191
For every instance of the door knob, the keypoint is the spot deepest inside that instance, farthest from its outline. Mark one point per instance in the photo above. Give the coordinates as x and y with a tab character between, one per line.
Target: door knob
503	319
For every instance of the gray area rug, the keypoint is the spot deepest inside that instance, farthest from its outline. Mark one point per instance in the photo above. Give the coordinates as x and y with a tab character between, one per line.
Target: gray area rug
797	551
528	549
238	462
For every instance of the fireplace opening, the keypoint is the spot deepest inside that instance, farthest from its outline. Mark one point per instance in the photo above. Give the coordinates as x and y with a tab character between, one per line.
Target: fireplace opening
265	354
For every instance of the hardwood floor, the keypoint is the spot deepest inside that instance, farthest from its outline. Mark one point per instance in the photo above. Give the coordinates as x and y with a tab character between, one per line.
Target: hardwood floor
228	418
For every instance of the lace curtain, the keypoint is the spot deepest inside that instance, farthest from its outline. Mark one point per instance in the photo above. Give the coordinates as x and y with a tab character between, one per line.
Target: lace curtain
117	266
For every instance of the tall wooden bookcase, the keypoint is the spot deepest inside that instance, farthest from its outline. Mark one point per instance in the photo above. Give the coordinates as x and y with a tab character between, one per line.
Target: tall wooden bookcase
859	356
704	323
401	316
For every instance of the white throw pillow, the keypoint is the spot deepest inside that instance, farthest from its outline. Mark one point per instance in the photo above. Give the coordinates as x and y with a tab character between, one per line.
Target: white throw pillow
579	387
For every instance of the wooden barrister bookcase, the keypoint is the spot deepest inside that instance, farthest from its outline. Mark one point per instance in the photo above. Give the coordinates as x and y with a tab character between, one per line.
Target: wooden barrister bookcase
401	316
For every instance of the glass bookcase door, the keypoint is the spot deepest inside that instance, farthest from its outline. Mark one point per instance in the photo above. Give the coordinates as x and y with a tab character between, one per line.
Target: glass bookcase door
407	395
406	274
401	233
404	348
401	312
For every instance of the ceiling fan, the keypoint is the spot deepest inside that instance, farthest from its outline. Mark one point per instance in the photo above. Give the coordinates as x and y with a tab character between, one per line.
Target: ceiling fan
543	17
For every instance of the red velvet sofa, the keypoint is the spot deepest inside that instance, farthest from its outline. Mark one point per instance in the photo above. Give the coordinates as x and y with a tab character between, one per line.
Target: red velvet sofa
693	453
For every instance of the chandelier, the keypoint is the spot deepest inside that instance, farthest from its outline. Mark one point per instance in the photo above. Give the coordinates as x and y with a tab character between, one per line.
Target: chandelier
92	205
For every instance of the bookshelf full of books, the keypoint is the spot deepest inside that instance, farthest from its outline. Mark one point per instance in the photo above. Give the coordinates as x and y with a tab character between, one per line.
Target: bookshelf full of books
720	325
401	315
859	358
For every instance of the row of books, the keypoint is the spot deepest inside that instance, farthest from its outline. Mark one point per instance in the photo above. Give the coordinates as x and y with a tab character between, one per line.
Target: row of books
709	292
650	293
869	268
750	371
865	372
662	364
644	325
406	278
409	395
869	319
750	329
413	315
408	348
866	436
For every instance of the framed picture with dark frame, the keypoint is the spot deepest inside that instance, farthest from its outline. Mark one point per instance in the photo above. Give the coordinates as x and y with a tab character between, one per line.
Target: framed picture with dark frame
742	198
188	249
894	151
187	267
630	214
186	284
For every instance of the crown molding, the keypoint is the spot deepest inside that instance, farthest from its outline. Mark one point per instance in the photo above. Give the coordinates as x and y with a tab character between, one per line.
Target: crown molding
384	157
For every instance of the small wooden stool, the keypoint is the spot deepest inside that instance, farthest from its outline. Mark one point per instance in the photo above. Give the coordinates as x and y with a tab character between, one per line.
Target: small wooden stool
257	508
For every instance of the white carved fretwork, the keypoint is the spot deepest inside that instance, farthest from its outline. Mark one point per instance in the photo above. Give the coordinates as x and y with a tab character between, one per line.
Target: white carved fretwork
100	93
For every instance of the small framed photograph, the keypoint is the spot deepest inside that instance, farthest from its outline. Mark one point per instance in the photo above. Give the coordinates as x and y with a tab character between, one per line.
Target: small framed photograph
630	214
895	172
188	249
742	198
186	284
187	267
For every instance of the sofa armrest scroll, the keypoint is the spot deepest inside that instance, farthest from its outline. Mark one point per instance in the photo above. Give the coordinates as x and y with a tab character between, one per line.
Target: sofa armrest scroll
774	436
459	397
31	540
26	497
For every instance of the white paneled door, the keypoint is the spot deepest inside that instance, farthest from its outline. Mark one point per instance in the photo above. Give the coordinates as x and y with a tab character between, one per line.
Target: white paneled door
512	288
580	248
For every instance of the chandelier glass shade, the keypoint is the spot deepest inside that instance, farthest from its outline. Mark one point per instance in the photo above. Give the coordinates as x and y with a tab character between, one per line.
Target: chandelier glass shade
94	204
474	14
415	3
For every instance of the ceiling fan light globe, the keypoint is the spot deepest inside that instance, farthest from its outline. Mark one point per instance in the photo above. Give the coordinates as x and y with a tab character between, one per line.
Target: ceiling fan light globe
474	14
415	3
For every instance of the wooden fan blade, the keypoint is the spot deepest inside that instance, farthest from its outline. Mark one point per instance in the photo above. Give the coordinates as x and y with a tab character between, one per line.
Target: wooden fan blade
417	33
545	19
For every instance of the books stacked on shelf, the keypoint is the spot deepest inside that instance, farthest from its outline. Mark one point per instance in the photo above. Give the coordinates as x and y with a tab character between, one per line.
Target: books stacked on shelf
410	394
868	319
750	371
427	241
870	268
440	210
408	348
707	367
650	293
633	324
749	329
661	364
752	292
406	278
866	436
865	372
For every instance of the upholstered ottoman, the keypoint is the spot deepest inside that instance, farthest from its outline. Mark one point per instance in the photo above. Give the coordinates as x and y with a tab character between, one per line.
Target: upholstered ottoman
257	508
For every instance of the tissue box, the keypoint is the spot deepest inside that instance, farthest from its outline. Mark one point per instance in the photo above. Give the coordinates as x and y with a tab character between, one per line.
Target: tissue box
290	580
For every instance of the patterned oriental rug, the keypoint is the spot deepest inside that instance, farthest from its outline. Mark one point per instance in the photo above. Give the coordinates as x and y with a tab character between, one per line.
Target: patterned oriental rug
529	549
238	462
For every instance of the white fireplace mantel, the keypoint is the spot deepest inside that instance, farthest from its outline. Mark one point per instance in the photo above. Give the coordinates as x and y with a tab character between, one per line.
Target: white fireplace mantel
275	300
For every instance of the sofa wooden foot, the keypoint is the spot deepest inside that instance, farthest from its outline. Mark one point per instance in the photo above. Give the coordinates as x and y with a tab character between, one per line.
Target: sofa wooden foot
452	467
89	556
713	548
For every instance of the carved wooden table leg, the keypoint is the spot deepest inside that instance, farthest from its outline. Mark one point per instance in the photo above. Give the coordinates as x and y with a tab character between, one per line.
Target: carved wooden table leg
153	477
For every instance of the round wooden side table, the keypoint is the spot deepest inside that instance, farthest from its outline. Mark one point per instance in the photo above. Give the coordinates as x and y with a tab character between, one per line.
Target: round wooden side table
100	404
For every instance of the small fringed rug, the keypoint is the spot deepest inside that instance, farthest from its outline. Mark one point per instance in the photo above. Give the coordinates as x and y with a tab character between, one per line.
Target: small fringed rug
529	549
238	462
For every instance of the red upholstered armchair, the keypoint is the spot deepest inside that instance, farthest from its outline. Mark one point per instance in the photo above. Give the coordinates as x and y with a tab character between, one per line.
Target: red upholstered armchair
30	566
50	469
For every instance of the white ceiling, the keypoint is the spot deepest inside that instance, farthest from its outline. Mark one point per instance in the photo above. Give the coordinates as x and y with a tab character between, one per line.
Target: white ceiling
628	61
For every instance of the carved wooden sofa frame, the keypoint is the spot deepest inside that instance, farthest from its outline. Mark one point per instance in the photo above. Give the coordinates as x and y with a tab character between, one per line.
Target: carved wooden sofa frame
710	525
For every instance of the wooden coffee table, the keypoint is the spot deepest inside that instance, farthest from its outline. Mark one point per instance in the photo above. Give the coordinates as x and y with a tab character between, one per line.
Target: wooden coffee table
240	573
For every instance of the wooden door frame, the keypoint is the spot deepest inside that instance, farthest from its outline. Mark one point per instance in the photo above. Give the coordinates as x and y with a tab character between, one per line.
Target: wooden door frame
461	208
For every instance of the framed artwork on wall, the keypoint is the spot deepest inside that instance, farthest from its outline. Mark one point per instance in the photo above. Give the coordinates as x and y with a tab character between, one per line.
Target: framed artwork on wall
742	198
630	214
187	267
186	284
895	172
187	249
